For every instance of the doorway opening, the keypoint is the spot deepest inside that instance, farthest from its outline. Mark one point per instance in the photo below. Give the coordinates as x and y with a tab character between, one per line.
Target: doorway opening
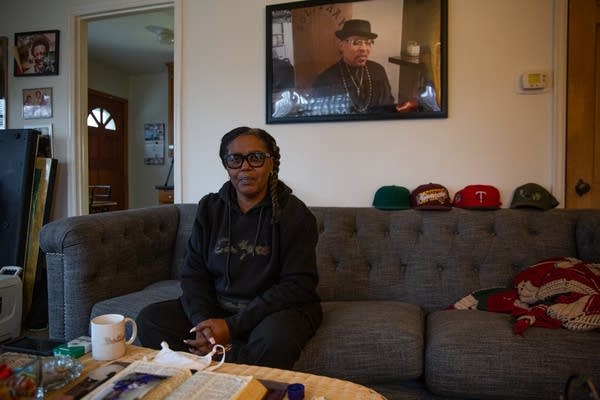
117	70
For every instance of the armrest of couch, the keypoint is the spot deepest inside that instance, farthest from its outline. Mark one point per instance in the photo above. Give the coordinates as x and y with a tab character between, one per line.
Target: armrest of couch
99	256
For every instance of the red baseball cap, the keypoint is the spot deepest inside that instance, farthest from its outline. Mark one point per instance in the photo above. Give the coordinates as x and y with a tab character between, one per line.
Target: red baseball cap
431	196
485	197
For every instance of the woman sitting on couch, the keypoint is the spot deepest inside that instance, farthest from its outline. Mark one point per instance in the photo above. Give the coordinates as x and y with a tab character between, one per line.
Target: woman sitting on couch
249	278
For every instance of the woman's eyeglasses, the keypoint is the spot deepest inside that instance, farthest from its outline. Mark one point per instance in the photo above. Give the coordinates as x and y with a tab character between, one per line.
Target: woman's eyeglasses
255	160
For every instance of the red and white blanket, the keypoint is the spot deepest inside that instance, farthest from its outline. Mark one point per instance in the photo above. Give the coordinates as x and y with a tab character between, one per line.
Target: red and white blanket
554	292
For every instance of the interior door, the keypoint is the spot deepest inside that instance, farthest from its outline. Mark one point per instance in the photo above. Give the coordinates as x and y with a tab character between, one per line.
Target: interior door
583	102
107	146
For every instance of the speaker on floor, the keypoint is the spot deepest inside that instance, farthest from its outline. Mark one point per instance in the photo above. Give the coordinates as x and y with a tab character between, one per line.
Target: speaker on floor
17	162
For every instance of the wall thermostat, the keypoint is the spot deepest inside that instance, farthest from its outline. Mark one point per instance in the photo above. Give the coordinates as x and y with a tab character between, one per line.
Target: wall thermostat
533	82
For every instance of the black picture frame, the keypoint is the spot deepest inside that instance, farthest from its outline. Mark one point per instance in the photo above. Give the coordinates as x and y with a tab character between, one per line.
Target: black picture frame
36	53
306	38
3	67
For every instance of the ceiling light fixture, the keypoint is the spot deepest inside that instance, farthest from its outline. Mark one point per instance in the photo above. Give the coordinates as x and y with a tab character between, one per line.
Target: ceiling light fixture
163	35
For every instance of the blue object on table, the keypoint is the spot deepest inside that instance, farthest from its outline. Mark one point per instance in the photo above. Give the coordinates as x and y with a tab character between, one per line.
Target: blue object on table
295	391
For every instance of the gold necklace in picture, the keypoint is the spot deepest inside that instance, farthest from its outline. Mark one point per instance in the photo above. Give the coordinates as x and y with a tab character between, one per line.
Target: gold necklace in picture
357	86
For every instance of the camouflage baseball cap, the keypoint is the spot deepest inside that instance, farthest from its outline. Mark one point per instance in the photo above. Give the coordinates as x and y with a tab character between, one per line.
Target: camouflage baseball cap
534	196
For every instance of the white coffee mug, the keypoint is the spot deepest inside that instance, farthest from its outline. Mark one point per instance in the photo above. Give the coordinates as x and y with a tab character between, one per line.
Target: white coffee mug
108	336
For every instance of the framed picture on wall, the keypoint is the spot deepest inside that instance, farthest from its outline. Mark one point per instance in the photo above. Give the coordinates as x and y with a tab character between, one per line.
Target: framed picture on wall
154	144
45	146
356	60
3	79
37	103
36	53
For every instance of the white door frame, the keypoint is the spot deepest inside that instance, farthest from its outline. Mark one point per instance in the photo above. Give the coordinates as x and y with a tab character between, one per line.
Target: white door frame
77	170
559	106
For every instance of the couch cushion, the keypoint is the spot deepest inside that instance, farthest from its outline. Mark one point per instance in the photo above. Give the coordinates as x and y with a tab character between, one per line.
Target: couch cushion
588	237
131	304
367	342
471	351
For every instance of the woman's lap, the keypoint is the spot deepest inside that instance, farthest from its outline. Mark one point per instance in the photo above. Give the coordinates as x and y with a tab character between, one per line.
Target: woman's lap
276	341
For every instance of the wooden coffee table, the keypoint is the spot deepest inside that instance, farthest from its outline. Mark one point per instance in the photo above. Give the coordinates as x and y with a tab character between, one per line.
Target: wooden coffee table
314	385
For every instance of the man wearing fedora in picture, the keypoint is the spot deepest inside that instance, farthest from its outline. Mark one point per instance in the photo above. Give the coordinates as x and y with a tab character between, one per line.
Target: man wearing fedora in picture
354	84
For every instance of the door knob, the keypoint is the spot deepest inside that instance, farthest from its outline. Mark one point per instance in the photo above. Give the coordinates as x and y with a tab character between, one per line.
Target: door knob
582	187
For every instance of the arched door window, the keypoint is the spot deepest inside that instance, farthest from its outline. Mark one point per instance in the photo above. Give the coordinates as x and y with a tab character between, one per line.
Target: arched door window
101	118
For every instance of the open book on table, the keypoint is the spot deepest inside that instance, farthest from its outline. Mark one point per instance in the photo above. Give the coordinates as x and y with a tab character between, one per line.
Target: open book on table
148	380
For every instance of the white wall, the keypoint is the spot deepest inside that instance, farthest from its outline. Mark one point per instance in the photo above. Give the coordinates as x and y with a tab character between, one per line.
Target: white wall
147	104
17	17
107	79
492	135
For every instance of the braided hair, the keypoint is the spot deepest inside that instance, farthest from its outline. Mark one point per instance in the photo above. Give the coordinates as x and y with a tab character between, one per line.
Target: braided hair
272	148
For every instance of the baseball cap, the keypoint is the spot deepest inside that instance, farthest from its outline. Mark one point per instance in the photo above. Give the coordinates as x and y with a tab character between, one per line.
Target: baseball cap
391	198
484	197
431	196
533	195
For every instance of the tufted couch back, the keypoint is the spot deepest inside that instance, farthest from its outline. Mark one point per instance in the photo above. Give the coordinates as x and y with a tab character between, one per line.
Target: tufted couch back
432	258
427	258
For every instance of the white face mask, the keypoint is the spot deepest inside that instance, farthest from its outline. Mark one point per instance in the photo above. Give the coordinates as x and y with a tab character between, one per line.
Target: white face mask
180	359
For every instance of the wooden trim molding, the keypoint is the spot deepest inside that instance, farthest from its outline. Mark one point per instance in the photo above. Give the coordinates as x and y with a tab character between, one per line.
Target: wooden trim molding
170	109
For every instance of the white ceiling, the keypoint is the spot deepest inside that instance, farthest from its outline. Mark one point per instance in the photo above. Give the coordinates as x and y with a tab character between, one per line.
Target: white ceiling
124	42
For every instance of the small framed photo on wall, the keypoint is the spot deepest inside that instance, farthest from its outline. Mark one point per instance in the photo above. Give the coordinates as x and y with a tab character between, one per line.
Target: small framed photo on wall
154	144
45	146
37	103
36	53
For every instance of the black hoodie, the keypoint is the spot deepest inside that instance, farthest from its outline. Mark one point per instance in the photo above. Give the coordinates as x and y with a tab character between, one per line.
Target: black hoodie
247	258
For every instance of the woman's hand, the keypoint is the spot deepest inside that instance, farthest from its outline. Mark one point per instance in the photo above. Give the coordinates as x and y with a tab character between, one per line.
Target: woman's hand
208	333
200	345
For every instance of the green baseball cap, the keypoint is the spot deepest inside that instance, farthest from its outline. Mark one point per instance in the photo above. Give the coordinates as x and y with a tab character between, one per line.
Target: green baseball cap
534	196
392	198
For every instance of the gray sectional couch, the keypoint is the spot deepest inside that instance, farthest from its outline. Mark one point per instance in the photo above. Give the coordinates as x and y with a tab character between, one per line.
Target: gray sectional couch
386	278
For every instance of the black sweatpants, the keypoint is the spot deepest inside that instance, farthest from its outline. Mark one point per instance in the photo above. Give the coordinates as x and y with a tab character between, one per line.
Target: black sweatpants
275	342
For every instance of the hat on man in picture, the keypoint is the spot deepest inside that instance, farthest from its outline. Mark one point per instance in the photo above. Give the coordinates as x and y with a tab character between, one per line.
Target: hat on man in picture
392	198
534	196
477	197
431	196
355	27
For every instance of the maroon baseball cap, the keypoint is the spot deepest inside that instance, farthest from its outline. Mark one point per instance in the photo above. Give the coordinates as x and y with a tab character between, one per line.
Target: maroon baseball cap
431	196
483	197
